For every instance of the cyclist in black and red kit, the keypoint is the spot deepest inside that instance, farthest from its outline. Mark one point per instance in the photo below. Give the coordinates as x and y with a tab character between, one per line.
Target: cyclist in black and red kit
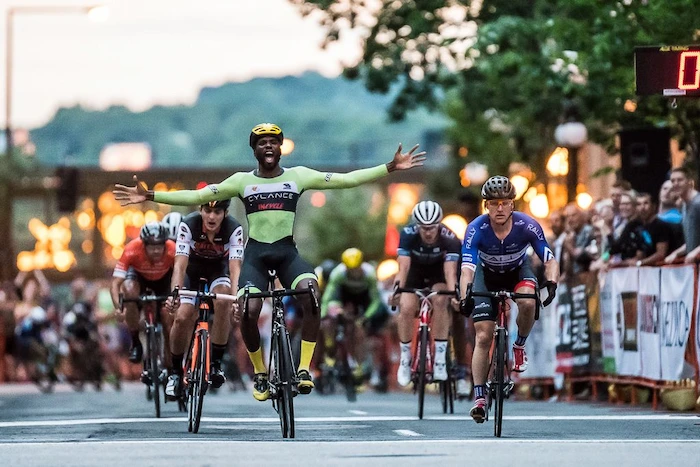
209	245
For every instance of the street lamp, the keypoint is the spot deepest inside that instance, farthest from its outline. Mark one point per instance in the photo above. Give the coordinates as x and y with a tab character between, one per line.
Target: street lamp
572	135
95	12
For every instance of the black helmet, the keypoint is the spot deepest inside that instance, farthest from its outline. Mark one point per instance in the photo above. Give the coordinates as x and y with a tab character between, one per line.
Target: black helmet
498	187
153	233
222	204
265	129
323	271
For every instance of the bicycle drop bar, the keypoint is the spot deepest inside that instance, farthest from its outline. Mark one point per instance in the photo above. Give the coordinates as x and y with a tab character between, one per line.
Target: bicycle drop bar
278	293
513	296
196	294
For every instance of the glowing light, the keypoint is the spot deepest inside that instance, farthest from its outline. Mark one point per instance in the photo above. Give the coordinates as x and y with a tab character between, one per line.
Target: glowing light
138	219
539	206
558	163
86	219
117	252
318	199
87	246
25	261
38	229
63	260
387	268
529	194
681	71
115	234
150	216
107	204
457	224
463	152
630	106
287	147
584	200
160	186
476	172
463	179
521	184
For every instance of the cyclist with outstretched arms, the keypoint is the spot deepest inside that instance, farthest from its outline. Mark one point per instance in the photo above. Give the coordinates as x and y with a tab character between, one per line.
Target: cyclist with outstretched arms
353	291
270	195
146	263
428	255
209	246
494	258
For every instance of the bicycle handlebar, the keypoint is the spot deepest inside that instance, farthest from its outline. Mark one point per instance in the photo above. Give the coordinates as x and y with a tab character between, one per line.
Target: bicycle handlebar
504	294
197	294
277	293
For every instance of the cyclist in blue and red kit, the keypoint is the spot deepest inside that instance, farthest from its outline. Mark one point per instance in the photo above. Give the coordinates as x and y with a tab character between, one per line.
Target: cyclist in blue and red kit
494	258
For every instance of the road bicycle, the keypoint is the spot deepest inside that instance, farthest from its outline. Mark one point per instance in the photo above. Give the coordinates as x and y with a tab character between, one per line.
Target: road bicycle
154	371
422	360
282	376
499	384
197	365
339	368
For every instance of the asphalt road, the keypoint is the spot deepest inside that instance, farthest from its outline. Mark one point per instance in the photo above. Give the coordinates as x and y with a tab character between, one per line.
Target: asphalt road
118	428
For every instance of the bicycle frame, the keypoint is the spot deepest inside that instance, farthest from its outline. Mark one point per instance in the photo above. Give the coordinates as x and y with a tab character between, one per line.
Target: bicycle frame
281	374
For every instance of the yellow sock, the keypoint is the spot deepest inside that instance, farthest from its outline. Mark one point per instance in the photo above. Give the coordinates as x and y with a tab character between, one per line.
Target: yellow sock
307	353
257	359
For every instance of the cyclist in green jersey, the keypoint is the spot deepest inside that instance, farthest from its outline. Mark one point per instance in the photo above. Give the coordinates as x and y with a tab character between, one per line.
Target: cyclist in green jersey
270	194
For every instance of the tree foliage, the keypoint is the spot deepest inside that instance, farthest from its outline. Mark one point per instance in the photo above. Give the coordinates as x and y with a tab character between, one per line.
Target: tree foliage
504	71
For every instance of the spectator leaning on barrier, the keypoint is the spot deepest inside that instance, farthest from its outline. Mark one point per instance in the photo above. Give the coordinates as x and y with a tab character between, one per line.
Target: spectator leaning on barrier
657	232
684	186
579	236
628	243
618	189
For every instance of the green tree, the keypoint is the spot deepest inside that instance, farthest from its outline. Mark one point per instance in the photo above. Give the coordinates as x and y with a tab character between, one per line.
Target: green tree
504	71
348	219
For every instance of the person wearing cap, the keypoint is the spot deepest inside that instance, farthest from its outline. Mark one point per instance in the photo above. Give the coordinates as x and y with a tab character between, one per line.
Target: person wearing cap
210	246
270	194
494	258
428	255
146	263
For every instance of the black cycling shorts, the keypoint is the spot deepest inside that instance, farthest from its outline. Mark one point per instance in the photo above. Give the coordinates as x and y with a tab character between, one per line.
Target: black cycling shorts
216	272
159	287
281	256
487	280
420	277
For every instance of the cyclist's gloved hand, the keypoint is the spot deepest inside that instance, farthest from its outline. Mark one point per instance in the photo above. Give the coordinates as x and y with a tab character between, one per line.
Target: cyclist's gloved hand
466	305
551	292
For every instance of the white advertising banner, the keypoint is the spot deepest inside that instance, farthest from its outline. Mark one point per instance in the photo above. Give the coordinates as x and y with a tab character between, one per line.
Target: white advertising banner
608	326
625	290
675	313
649	337
541	343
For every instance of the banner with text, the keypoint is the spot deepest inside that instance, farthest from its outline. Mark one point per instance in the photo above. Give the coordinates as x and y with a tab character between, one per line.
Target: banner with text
648	322
625	284
676	306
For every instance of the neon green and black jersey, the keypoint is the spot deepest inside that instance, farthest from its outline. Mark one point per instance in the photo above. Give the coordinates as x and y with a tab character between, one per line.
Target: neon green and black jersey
271	203
362	291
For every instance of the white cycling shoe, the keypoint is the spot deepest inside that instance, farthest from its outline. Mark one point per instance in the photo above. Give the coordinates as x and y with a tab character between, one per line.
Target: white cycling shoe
439	371
403	375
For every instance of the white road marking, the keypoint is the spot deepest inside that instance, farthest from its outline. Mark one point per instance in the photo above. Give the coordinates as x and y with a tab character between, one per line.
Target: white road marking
481	442
358	412
379	418
407	433
267	428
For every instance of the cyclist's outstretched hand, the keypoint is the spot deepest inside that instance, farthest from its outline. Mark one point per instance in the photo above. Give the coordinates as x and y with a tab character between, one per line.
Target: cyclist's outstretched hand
407	160
551	287
130	194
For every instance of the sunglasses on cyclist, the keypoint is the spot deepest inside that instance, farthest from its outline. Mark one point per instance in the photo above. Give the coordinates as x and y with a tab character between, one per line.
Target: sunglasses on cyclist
497	203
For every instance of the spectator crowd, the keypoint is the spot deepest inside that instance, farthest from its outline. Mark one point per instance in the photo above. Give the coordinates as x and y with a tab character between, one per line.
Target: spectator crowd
630	228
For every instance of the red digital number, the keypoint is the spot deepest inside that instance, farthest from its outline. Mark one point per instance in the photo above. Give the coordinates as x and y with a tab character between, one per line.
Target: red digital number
681	71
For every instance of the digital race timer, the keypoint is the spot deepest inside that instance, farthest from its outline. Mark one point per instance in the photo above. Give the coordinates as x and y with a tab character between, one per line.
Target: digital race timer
672	71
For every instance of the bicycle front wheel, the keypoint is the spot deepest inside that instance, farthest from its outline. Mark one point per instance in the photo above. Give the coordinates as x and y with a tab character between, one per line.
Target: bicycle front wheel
499	381
200	379
422	363
154	364
287	378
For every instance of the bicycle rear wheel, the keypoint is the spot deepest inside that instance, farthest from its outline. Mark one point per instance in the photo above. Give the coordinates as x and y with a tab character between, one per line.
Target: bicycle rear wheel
287	378
499	381
447	389
201	379
154	364
422	362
